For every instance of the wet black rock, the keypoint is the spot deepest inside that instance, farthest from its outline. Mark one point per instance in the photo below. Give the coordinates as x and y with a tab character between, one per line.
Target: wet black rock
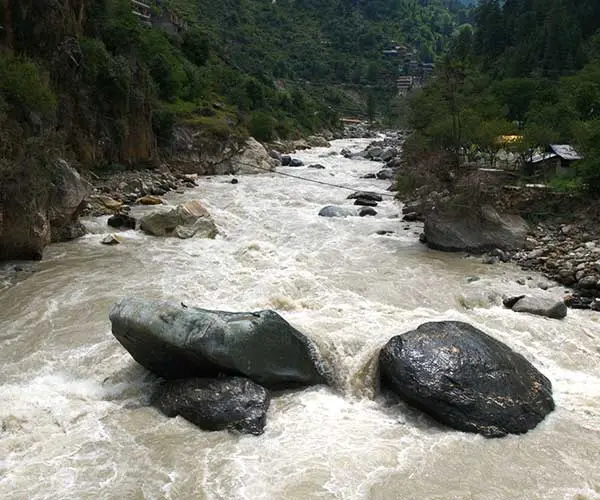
317	166
122	221
286	160
367	211
176	341
465	379
365	195
295	162
410	217
216	404
234	181
364	202
369	176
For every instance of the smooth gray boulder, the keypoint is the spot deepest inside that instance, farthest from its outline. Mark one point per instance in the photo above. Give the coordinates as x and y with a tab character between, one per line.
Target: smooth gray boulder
183	221
216	404
176	341
335	211
549	307
465	379
475	231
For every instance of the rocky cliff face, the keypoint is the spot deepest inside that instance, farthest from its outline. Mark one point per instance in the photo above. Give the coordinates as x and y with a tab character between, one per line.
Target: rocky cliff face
33	215
195	152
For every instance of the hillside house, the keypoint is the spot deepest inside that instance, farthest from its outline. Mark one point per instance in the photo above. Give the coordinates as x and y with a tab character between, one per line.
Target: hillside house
405	84
142	12
555	160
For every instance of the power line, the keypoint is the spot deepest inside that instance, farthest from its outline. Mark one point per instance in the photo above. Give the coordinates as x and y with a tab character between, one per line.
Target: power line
315	181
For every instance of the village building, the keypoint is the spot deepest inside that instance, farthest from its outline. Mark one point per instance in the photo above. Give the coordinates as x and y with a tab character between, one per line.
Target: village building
555	160
142	12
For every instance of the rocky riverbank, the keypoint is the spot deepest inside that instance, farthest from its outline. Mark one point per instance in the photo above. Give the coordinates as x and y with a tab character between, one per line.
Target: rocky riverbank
564	245
568	254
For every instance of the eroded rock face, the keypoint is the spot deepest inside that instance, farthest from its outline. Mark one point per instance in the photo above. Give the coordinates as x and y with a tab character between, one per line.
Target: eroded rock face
475	232
317	141
466	379
30	219
183	221
67	202
175	341
216	404
253	159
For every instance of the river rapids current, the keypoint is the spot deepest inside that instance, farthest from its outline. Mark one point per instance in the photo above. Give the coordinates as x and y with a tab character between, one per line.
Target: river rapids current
75	420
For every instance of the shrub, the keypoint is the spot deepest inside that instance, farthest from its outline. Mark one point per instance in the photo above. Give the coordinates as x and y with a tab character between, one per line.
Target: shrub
22	86
262	126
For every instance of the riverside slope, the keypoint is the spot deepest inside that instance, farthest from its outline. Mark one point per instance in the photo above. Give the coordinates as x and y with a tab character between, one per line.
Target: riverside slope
76	406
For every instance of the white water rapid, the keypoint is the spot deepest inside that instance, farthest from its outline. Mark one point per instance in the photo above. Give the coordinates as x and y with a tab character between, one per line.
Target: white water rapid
75	423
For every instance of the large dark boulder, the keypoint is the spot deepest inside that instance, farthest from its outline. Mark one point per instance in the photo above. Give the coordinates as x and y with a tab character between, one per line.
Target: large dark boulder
475	231
122	221
175	341
466	379
216	404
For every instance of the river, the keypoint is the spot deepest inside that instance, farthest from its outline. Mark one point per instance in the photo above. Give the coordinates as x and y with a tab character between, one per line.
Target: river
74	412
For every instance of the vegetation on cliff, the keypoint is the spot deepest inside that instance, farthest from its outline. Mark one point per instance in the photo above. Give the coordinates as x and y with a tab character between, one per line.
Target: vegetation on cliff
114	87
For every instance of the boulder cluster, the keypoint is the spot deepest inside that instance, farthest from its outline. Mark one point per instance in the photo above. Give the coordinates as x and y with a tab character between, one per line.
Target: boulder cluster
220	366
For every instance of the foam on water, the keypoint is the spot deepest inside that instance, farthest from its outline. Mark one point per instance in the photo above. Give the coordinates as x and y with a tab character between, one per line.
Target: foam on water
75	420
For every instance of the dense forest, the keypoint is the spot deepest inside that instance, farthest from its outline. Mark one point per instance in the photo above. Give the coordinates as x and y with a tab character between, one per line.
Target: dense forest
529	68
107	84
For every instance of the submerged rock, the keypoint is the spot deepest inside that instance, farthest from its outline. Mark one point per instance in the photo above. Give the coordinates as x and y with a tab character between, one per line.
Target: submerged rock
216	404
184	221
175	341
549	307
335	211
466	379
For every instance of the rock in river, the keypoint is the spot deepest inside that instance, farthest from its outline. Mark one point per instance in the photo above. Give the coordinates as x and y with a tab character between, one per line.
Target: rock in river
334	211
466	379
547	306
175	341
184	221
216	404
475	231
365	195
